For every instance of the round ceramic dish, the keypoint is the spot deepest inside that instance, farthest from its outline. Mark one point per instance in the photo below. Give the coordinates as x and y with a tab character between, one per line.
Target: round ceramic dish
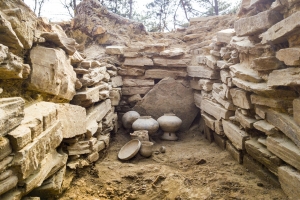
129	150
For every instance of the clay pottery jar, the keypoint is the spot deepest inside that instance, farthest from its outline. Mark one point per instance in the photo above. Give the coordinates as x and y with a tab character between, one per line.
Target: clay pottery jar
169	123
146	123
146	148
141	135
128	118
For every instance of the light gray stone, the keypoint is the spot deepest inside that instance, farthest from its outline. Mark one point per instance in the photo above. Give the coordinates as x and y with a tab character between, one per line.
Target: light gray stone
289	179
235	134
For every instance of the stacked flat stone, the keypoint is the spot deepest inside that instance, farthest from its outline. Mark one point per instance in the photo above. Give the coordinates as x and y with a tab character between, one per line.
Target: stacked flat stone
246	84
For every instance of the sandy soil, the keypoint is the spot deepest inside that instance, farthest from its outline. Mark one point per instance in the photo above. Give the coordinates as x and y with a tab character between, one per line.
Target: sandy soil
191	168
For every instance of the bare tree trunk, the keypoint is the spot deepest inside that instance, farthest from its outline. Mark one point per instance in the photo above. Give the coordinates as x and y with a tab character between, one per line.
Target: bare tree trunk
130	9
174	16
35	6
216	7
185	12
40	7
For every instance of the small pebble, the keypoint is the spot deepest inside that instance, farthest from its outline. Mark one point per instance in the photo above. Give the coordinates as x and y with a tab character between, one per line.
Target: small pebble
162	149
260	185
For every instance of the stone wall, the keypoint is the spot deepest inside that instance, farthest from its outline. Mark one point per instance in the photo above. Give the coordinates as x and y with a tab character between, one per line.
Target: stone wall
246	84
57	109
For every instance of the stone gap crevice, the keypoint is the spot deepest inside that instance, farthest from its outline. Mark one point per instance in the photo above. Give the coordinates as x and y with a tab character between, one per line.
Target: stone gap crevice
239	74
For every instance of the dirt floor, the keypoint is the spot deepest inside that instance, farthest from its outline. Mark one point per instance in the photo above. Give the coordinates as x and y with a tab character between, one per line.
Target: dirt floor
191	168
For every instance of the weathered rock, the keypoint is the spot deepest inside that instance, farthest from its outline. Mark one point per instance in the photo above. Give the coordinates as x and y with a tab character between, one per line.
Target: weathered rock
131	71
5	148
49	162
76	58
72	119
215	109
115	50
202	71
220	140
12	66
97	112
5	163
115	96
52	72
272	102
197	98
241	71
256	24
265	63
241	98
286	124
284	77
285	149
60	39
172	52
227	104
262	155
142	61
235	134
279	32
225	35
116	81
161	73
11	113
52	186
28	159
202	84
289	179
94	76
20	137
165	62
290	56
209	120
39	117
88	96
182	103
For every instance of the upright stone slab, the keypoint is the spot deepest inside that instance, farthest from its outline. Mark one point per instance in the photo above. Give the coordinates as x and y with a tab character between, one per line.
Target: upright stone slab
11	113
215	109
225	35
72	118
169	95
241	98
256	24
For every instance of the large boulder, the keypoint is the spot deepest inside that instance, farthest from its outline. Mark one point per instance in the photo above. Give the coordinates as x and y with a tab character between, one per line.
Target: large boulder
52	72
167	96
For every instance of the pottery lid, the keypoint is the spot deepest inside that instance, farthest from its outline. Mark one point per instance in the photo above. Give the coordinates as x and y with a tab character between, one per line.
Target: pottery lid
129	150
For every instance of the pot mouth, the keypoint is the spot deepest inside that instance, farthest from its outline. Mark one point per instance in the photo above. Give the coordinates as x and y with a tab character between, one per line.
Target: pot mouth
145	117
147	143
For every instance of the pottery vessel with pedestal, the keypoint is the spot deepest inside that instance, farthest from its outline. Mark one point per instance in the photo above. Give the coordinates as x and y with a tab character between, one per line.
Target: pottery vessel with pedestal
146	148
146	123
169	123
128	118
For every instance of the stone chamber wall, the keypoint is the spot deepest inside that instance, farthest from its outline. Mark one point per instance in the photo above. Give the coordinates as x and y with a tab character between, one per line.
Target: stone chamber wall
64	86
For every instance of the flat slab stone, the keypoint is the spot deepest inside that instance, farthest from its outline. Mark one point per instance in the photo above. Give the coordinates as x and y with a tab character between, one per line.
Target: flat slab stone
141	61
245	121
162	73
265	63
296	111
215	109
202	84
137	82
290	56
256	24
115	50
279	32
165	62
135	90
225	35
170	96
235	134
131	72
284	77
5	147
172	52
272	102
202	71
245	73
